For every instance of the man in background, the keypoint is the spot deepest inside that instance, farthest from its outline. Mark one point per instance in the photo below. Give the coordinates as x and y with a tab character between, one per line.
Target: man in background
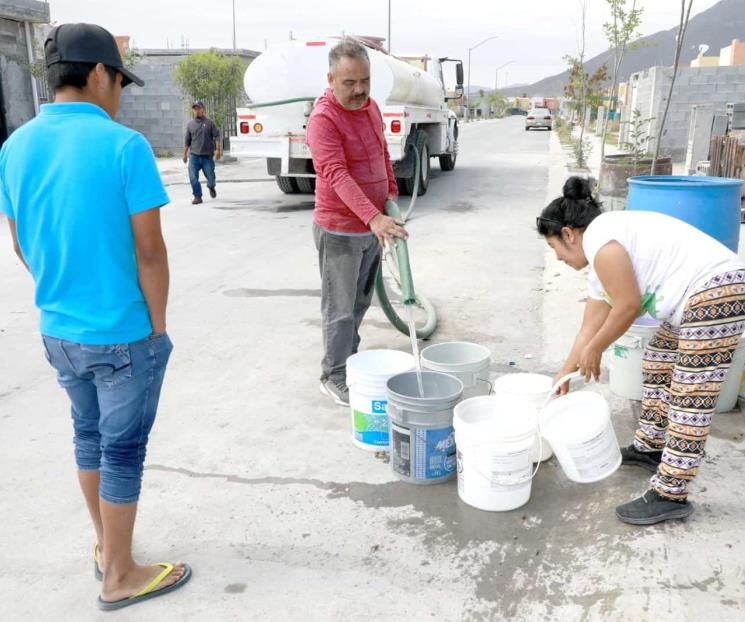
202	147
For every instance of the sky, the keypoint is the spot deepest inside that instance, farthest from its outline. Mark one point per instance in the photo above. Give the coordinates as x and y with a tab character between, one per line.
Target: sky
532	36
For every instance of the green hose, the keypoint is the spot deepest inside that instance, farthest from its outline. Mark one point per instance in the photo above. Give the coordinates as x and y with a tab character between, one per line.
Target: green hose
402	275
282	102
402	255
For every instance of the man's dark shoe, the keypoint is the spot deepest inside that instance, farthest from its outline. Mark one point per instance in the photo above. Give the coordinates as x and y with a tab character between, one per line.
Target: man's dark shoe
213	193
196	201
336	390
652	508
647	460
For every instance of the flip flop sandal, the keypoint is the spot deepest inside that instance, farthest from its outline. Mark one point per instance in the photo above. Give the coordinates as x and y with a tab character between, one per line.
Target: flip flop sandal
96	568
150	591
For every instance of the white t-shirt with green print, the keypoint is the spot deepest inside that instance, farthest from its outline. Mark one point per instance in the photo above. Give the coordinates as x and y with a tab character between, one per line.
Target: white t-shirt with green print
671	258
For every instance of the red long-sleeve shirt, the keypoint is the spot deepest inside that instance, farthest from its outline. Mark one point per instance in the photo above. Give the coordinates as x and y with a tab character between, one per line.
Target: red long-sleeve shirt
354	175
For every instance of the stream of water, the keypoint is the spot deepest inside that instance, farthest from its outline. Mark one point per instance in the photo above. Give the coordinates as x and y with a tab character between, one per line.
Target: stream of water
415	347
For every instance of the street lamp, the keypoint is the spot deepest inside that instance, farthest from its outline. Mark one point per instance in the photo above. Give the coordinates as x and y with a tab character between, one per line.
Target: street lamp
468	92
496	77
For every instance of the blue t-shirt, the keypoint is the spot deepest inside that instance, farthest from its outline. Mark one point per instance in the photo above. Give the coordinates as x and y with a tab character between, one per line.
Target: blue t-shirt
70	179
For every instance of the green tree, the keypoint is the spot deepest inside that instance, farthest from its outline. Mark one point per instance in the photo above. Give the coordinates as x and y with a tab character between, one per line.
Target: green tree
577	89
132	57
582	89
620	31
497	103
216	79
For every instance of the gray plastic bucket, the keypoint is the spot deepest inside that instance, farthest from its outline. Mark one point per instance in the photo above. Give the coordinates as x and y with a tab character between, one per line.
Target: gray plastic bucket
468	362
421	434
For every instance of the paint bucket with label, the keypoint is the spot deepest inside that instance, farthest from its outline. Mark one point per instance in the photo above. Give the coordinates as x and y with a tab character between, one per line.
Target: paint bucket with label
468	362
579	428
367	374
422	436
534	388
495	436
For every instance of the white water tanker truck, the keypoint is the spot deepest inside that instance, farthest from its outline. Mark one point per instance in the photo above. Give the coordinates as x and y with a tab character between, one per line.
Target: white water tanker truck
283	84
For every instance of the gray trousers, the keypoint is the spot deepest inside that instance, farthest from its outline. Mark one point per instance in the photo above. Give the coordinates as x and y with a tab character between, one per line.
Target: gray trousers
348	266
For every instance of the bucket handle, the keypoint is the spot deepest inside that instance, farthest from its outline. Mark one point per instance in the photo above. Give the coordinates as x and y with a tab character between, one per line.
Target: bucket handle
515	482
489	383
568	378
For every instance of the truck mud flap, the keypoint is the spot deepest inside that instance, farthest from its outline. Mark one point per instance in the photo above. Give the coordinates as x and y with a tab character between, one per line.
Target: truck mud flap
298	166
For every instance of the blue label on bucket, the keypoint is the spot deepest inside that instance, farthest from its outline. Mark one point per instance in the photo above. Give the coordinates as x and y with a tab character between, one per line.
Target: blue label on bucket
435	453
379	406
422	453
371	429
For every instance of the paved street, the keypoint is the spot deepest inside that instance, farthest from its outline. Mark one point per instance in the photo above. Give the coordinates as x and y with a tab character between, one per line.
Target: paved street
251	475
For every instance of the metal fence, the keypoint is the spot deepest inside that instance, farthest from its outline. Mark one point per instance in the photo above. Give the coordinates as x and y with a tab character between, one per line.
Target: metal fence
224	117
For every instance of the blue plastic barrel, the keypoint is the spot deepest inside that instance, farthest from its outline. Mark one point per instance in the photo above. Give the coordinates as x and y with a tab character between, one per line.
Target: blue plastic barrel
711	204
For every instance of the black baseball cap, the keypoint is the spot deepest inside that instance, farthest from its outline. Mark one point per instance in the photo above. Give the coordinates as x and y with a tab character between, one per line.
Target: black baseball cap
198	103
86	43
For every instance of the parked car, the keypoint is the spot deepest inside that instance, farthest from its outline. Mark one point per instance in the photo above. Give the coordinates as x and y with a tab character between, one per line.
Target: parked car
539	117
515	111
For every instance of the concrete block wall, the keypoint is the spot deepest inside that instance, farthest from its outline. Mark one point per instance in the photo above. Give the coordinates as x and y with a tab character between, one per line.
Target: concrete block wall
709	86
158	110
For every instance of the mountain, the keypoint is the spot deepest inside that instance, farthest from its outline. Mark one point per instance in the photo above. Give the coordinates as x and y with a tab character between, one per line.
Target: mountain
716	27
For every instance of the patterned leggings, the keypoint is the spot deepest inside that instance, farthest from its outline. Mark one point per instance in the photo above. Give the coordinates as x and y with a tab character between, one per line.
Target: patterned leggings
683	372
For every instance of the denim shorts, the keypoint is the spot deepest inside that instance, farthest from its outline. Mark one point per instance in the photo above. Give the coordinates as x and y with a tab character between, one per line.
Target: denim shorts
114	392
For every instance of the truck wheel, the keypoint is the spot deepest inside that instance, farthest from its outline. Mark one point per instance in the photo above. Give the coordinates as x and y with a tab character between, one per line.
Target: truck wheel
422	146
288	185
426	163
306	185
447	161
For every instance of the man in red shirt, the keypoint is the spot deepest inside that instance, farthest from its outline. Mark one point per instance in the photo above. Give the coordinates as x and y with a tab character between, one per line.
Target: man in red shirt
354	179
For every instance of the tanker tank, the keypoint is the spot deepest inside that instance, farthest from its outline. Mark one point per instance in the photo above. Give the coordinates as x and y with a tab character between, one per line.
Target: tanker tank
299	70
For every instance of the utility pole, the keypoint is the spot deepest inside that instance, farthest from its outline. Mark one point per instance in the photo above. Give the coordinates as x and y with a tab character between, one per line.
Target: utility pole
496	78
389	27
468	92
234	24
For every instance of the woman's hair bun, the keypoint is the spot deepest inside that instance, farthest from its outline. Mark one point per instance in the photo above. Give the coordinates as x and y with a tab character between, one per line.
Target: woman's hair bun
577	188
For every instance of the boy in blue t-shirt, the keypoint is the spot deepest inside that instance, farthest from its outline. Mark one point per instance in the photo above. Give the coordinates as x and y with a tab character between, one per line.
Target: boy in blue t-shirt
82	195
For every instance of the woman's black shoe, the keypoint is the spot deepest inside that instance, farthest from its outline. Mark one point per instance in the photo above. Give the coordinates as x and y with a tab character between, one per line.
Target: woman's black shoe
647	460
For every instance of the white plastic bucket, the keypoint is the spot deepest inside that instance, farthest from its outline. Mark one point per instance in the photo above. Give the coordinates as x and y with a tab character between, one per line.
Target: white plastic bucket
494	436
535	388
627	353
742	386
627	378
579	428
468	362
732	384
367	374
